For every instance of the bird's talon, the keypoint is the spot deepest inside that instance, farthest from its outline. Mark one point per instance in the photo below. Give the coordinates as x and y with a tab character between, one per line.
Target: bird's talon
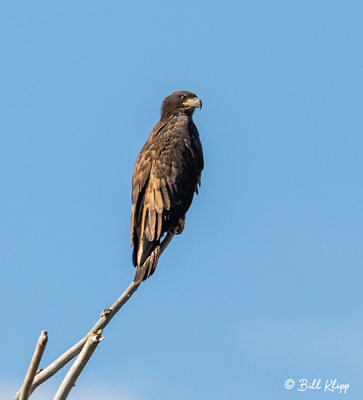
180	227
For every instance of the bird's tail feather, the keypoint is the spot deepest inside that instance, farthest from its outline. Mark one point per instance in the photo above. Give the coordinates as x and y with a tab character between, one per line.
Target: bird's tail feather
148	267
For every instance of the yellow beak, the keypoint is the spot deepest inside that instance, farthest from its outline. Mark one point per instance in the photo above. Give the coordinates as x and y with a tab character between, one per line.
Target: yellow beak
193	102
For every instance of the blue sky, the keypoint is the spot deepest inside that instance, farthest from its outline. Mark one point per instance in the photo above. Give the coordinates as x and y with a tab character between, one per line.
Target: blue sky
265	282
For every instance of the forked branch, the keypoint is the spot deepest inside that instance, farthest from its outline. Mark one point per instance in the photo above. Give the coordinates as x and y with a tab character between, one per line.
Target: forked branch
72	375
104	320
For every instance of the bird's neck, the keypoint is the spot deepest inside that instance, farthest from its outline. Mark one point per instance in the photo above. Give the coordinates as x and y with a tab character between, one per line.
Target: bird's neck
178	113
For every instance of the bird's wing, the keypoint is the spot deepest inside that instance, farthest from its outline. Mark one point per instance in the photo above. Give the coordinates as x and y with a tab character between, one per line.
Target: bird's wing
152	188
197	154
165	176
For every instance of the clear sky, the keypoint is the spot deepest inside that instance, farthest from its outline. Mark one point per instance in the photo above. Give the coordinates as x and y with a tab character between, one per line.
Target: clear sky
265	284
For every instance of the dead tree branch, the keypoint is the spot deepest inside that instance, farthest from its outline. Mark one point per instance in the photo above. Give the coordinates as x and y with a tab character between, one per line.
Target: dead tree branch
33	367
72	375
104	320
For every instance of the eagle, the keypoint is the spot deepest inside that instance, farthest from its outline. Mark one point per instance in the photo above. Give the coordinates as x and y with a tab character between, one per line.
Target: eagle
167	173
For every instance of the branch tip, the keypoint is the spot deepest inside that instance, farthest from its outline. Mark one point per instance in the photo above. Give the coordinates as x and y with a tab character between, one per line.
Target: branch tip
33	367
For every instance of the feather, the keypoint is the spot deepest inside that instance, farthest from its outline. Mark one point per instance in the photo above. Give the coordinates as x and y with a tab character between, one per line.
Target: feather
165	177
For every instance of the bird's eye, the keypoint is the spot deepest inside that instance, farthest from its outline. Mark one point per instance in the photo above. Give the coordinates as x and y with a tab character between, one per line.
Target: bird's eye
183	97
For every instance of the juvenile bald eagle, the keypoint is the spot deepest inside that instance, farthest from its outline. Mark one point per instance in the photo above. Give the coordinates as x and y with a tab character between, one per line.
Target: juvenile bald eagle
167	173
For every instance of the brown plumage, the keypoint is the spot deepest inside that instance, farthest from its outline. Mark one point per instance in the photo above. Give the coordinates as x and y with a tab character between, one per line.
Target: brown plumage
167	173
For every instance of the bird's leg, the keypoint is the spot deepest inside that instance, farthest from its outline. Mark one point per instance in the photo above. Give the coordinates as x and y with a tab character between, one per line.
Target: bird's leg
180	226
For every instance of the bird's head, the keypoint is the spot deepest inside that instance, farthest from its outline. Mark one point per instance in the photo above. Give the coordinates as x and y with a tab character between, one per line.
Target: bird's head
182	101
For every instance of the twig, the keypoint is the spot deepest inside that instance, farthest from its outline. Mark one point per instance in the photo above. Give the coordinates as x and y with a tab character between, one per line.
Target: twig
105	318
72	375
33	367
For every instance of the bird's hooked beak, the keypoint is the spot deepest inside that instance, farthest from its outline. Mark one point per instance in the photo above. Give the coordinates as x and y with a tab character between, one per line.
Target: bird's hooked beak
193	102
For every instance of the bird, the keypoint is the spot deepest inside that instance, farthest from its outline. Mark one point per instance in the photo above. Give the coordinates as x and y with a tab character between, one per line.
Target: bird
166	175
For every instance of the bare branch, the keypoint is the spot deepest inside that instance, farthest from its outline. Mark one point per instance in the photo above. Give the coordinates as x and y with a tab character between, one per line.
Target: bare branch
62	360
72	375
164	244
105	318
33	367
